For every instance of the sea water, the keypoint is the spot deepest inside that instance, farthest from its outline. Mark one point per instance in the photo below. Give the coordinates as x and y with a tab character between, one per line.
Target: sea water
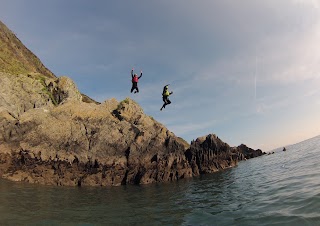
278	189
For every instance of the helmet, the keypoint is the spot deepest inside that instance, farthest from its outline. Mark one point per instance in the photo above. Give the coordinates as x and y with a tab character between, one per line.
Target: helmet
135	75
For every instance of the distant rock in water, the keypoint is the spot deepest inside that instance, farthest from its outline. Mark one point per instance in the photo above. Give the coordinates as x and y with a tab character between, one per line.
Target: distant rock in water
16	59
209	154
284	149
52	134
249	153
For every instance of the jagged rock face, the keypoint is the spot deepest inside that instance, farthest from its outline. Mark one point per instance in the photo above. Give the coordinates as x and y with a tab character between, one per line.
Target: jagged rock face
249	153
75	143
78	143
20	93
59	140
209	154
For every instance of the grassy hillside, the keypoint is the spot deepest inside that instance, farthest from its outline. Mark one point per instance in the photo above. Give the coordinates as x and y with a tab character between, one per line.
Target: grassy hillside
15	58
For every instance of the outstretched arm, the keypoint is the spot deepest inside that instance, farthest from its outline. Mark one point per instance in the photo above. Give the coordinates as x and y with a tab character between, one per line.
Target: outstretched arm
132	72
140	74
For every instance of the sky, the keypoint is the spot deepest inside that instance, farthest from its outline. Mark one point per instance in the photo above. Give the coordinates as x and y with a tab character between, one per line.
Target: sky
247	71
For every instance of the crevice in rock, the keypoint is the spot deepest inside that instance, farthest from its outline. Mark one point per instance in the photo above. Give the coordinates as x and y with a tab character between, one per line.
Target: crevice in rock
79	182
138	177
124	180
117	114
154	158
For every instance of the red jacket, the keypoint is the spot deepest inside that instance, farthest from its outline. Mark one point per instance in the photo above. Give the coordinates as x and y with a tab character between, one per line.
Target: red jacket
135	78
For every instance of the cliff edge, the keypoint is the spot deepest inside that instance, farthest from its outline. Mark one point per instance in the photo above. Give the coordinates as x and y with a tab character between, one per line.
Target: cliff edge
52	134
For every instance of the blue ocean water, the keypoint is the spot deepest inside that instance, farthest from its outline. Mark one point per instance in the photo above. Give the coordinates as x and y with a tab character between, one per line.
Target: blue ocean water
278	189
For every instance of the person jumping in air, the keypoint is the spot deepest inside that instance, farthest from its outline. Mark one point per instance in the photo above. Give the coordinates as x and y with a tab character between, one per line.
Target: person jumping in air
165	96
135	80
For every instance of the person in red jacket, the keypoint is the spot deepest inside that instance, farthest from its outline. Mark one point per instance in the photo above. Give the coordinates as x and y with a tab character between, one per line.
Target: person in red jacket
135	80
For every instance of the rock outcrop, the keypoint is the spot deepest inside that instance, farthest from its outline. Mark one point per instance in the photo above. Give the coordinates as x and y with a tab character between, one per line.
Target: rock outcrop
78	143
209	154
249	153
52	134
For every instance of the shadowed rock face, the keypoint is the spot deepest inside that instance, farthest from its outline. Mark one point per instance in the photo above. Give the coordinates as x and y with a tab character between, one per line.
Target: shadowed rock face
249	153
78	143
52	134
209	154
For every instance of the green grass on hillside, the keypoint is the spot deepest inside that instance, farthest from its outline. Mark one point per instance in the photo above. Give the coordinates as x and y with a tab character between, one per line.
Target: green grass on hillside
15	58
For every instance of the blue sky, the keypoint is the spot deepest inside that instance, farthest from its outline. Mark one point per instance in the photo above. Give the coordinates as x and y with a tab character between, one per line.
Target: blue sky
248	71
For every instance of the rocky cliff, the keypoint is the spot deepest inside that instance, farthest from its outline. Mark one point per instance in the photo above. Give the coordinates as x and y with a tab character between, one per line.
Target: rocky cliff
52	134
78	143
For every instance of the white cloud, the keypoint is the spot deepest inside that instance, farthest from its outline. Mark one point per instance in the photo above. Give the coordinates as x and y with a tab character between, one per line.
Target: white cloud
314	3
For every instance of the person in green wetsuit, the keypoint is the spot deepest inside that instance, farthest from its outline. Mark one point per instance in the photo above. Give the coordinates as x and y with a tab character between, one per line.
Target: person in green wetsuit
165	96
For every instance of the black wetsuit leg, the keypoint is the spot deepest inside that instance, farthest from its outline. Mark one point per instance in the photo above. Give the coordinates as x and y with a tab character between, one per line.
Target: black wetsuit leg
166	101
134	87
